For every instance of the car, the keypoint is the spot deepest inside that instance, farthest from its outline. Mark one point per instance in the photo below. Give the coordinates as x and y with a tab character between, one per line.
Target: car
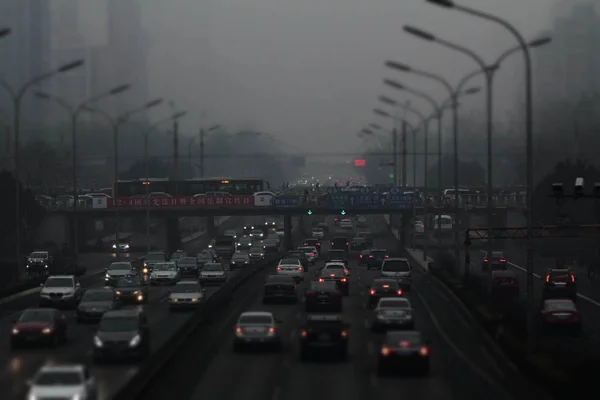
367	236
133	290
213	274
271	245
188	266
39	263
178	255
239	261
346	223
62	381
300	255
323	296
339	265
186	295
165	273
560	283
404	351
313	242
257	253
95	302
256	233
382	288
497	261
339	277
45	326
244	243
311	253
339	243
211	244
393	312
116	271
358	244
419	228
363	257
317	233
60	291
122	334
336	221
225	246
337	255
324	334
398	268
153	258
206	256
376	257
258	328
291	267
121	246
280	288
560	316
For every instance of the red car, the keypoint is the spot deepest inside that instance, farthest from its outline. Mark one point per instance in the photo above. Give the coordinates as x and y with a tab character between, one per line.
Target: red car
560	315
39	326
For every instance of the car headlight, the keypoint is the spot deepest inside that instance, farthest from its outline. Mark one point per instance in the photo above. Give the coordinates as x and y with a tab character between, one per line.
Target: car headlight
126	246
98	342
210	246
114	246
46	266
15	331
107	276
27	266
145	270
135	341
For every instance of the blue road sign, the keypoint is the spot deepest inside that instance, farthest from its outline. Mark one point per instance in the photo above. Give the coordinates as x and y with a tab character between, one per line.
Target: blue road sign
352	200
286	201
401	200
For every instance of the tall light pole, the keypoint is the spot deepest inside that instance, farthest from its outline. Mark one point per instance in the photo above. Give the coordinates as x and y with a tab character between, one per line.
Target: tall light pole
529	144
115	124
74	113
201	135
439	110
16	96
146	135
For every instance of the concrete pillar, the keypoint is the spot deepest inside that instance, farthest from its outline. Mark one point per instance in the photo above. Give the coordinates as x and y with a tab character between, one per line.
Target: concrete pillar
210	226
287	230
172	234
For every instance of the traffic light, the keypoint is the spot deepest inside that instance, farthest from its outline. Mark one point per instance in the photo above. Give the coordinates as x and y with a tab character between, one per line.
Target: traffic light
309	212
343	212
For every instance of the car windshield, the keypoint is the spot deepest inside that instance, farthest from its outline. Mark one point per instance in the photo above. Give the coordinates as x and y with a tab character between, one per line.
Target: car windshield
128	283
37	316
58	378
119	324
396	266
255	319
387	284
213	267
187	288
165	267
240	257
497	254
396	338
395	303
104	295
119	267
256	249
59	282
289	261
155	257
38	254
334	266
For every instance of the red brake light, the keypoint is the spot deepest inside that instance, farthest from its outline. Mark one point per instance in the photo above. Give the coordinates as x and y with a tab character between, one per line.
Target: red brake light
485	260
547	278
306	244
425	351
299	268
332	243
346	243
279	268
332	275
373	292
304	333
572	277
387	256
370	256
399	292
502	260
313	254
321	280
361	256
386	351
344	333
344	280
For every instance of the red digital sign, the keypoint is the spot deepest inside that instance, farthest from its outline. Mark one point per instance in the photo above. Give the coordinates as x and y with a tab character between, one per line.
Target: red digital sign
182	201
360	162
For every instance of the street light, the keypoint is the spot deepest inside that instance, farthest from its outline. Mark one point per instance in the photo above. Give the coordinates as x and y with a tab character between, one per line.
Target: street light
74	113
16	96
115	124
146	135
5	32
202	133
529	144
439	111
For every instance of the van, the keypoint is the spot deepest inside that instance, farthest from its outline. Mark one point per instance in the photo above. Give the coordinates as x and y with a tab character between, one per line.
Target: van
446	222
397	268
224	246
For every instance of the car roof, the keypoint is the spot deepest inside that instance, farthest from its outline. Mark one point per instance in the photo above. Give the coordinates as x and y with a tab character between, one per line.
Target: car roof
328	264
256	314
399	300
397	259
62	368
62	276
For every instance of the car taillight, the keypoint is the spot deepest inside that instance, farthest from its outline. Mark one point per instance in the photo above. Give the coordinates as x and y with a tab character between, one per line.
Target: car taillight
387	256
304	333
547	278
312	254
373	292
399	292
332	243
239	329
485	260
279	269
299	268
346	243
502	260
572	278
344	280
386	351
306	244
346	271
321	280
344	333
332	275
272	330
361	256
424	351
370	256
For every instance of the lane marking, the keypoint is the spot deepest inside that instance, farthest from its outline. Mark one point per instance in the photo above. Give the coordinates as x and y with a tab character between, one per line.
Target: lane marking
457	350
491	360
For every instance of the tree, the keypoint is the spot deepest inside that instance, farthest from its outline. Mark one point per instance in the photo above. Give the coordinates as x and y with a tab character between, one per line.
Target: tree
470	173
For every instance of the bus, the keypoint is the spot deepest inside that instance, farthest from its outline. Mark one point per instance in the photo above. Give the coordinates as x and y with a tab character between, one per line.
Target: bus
189	187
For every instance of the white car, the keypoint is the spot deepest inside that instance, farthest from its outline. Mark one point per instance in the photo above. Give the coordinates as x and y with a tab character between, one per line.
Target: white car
186	294
393	313
166	272
318	233
291	267
280	232
116	271
212	273
397	268
62	382
419	228
337	266
311	253
346	224
60	290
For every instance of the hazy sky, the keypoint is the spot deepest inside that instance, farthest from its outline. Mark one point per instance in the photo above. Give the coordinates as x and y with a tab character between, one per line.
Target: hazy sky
310	71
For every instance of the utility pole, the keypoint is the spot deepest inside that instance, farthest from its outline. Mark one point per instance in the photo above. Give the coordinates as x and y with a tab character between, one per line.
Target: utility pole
175	150
201	153
404	127
395	159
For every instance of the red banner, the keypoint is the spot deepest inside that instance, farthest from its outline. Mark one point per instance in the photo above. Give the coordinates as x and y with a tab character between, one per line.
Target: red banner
182	201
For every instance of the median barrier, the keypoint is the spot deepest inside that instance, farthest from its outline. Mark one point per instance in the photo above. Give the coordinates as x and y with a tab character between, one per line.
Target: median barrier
158	362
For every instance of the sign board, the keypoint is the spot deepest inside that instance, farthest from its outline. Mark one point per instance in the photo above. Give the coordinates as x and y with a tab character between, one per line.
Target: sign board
401	200
99	202
263	200
286	201
353	200
182	201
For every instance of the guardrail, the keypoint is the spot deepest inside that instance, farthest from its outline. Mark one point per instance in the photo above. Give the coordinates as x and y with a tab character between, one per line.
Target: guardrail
212	306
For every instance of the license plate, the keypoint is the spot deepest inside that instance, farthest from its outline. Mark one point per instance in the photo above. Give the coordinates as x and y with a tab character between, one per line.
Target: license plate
323	297
255	330
324	336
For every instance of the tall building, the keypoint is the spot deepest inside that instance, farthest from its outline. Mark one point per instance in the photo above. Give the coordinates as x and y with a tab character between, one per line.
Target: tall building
24	54
570	66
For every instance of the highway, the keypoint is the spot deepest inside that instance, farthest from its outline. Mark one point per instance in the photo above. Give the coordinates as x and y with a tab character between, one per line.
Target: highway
464	364
20	365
